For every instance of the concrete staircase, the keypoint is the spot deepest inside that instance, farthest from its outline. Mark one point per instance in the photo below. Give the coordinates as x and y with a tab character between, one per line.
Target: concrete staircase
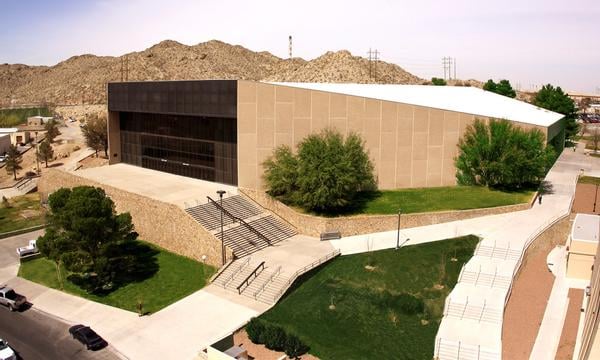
246	227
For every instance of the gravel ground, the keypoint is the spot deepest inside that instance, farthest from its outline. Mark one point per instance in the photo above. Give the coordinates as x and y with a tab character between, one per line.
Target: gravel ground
566	346
585	197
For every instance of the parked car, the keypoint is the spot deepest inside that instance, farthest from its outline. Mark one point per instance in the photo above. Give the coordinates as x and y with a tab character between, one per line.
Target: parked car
29	249
88	337
10	299
6	353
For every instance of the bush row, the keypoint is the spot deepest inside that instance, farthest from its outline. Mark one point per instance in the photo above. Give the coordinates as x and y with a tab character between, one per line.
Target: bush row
275	338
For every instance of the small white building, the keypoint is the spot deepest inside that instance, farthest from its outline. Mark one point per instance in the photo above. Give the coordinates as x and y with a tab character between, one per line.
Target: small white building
4	143
17	136
582	246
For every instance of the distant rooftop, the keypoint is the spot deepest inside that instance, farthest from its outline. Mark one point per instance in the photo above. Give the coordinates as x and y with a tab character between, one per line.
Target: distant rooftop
470	100
8	130
586	228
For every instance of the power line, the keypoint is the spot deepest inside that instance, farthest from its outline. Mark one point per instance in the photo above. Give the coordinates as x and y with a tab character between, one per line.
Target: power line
447	62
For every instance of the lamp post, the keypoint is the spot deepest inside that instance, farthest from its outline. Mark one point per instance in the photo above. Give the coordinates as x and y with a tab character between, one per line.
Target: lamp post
398	234
221	192
37	162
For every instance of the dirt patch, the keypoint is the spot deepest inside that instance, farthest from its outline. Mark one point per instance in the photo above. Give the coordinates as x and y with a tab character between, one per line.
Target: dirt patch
260	352
531	290
566	346
92	161
586	196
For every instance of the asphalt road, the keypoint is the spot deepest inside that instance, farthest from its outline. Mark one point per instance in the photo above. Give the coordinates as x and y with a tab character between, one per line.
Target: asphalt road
34	335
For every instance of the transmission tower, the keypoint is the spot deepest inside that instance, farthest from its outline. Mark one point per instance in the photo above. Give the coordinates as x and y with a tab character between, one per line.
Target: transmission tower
447	63
373	57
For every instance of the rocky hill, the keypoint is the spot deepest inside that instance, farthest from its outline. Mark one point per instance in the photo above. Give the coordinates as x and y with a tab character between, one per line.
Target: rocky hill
82	79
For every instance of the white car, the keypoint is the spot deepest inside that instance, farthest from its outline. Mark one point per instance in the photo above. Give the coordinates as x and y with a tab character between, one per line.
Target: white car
6	353
29	249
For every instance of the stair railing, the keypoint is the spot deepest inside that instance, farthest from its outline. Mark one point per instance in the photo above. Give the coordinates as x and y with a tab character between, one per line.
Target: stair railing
239	220
252	275
236	271
264	285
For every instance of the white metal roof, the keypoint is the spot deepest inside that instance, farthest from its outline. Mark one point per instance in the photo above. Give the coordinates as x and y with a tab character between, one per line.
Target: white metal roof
470	100
8	130
586	228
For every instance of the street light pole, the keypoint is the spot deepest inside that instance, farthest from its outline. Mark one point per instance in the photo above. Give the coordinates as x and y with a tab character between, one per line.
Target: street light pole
398	234
221	192
37	161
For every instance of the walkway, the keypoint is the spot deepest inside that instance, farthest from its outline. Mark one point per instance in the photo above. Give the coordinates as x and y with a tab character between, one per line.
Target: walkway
473	316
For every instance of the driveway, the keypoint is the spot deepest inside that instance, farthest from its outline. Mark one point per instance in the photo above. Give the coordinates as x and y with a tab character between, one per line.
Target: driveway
9	261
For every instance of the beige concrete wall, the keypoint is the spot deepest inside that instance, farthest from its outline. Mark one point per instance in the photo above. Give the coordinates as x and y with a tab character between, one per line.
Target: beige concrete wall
160	223
114	138
583	247
410	146
364	224
579	266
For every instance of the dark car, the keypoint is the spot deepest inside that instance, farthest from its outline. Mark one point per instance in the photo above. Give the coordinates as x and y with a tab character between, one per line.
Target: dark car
88	337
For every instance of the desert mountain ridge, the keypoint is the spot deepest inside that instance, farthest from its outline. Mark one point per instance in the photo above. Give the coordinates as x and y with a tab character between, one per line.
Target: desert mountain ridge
82	79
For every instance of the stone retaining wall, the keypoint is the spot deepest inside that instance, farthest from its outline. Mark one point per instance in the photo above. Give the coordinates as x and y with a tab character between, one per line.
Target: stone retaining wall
157	222
364	224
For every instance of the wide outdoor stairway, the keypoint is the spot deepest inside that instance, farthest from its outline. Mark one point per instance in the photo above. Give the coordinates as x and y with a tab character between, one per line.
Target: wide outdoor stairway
475	312
496	251
247	228
483	279
261	281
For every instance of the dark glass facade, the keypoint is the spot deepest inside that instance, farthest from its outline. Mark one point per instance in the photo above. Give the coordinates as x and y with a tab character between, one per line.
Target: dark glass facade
199	147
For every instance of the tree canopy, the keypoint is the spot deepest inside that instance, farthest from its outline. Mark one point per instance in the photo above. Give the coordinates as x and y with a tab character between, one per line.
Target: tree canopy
554	99
325	175
503	87
86	235
13	161
501	154
438	81
95	133
51	130
45	151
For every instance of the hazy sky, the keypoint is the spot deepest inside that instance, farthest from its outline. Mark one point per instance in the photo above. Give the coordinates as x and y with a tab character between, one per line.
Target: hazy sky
529	42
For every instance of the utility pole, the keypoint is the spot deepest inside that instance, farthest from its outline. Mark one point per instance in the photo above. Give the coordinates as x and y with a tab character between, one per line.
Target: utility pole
447	63
454	68
290	38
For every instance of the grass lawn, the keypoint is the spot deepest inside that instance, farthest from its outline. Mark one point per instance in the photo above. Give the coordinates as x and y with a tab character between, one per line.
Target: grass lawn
24	211
362	326
177	277
442	198
589	180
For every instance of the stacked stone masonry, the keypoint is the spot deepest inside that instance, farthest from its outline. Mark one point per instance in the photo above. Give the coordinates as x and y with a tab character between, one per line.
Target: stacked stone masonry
157	222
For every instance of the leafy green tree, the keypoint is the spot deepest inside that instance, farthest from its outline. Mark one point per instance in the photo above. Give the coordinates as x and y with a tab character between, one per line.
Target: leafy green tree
501	154
95	133
554	99
13	161
438	81
45	151
86	234
51	128
327	173
502	88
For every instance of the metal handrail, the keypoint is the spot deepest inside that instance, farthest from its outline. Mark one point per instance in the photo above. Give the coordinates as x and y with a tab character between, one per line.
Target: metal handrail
247	279
236	271
305	269
239	220
264	285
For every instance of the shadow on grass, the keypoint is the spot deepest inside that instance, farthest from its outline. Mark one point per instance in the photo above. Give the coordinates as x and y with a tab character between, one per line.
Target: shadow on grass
136	262
356	206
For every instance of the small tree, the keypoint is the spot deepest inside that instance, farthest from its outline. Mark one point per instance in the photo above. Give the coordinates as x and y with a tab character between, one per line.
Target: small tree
13	161
554	99
438	81
86	234
95	133
596	138
45	151
501	88
51	130
501	154
325	176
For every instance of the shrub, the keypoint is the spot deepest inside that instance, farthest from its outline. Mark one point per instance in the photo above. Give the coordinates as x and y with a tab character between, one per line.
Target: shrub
255	330
325	176
294	347
274	337
438	81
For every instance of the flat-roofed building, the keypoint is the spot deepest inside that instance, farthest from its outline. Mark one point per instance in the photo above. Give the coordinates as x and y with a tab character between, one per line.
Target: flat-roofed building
582	246
223	130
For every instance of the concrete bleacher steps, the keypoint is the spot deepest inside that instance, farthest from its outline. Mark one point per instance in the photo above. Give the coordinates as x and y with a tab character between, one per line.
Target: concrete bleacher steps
456	350
474	312
485	279
497	252
256	230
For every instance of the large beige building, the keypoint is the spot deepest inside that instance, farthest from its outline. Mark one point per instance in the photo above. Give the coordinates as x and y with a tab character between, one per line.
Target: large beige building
223	130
